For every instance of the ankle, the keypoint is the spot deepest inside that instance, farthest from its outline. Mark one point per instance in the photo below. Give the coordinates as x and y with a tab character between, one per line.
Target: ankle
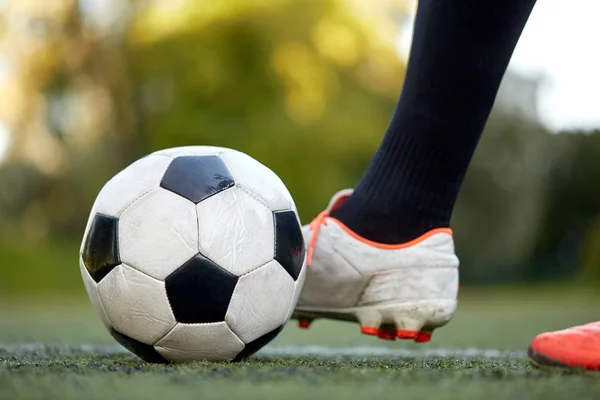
384	225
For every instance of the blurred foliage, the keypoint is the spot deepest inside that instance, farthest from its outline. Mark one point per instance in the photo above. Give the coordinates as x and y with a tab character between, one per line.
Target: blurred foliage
498	213
306	87
572	221
276	80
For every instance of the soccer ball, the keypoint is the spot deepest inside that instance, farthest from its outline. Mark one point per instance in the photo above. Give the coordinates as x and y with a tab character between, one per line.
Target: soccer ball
194	253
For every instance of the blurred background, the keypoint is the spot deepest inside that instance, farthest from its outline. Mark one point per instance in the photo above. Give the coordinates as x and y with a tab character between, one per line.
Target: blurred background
305	87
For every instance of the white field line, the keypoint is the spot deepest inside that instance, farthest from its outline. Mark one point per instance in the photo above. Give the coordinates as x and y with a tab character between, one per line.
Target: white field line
363	351
297	351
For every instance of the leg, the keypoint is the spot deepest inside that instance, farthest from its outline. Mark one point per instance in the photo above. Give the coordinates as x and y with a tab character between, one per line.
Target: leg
384	255
459	54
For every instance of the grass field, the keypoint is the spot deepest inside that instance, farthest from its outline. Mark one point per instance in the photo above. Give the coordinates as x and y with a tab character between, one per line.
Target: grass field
60	351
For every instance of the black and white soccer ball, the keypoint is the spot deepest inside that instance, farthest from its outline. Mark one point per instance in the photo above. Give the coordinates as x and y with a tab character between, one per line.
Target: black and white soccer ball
194	253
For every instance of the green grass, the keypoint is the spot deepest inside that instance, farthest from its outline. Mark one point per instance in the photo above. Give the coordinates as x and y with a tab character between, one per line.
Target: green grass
70	356
48	266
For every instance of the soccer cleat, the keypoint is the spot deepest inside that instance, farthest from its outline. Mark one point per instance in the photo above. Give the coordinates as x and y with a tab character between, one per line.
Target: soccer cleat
400	291
577	347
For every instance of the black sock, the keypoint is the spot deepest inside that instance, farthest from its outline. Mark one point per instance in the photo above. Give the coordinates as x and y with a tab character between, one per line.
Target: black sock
459	54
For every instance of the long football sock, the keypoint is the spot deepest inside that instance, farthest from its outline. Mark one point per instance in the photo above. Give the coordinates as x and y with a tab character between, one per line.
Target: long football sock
459	53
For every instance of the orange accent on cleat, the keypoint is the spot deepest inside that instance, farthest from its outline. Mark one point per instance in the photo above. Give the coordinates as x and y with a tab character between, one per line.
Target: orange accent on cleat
403	334
304	323
423	337
324	217
369	330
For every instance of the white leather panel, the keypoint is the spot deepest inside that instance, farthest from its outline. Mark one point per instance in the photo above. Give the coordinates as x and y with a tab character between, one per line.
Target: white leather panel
158	233
200	342
128	185
260	302
236	231
136	304
259	180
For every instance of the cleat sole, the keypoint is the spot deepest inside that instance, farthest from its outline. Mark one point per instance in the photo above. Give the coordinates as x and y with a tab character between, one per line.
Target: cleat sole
402	320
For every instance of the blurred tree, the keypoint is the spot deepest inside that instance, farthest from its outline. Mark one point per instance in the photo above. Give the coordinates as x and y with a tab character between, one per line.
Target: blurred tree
502	204
64	104
590	253
305	87
569	238
278	80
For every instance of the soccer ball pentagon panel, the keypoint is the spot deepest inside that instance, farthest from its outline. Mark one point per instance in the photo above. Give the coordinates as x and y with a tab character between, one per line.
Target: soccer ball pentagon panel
193	253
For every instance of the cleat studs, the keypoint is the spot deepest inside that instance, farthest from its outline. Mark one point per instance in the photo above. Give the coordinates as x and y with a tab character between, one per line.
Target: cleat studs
370	320
405	334
304	323
423	337
369	330
387	332
385	335
408	328
396	323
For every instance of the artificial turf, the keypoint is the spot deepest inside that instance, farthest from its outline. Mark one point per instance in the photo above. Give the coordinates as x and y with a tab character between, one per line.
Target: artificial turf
60	351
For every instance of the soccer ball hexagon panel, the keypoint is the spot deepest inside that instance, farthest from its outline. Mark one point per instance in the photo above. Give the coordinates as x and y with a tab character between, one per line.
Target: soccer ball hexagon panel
236	230
158	233
193	253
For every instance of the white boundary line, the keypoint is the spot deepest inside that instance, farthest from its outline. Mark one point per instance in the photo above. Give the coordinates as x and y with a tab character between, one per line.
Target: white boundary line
362	351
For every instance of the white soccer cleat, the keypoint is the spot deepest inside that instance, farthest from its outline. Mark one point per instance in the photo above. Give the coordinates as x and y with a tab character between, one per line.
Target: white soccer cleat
394	291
